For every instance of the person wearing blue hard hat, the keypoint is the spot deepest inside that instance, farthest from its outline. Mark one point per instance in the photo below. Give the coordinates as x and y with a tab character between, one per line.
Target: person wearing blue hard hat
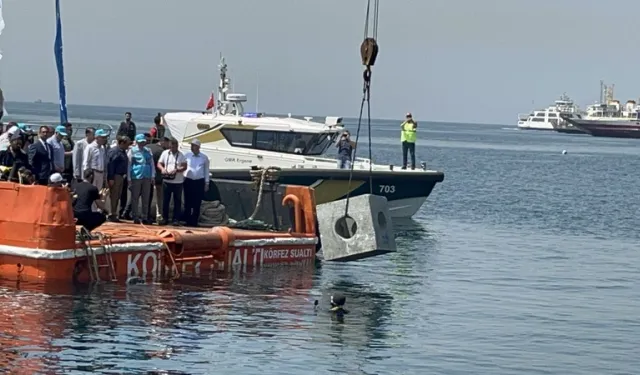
57	149
141	173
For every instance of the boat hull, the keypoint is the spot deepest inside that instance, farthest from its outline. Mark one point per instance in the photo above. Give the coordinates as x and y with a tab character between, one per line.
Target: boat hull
609	129
572	130
406	191
40	241
534	128
152	261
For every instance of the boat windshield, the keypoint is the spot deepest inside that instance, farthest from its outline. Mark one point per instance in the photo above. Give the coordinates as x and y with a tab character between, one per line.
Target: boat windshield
277	141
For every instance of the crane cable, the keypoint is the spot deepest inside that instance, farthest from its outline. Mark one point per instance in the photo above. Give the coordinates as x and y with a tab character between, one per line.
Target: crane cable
368	53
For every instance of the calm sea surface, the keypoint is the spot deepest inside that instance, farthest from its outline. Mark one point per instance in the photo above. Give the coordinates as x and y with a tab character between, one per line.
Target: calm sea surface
523	261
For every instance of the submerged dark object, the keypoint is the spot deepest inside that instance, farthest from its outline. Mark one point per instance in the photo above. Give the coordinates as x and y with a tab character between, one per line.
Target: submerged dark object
337	304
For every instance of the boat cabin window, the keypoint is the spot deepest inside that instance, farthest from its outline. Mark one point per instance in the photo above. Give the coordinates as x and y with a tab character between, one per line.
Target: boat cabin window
537	119
285	142
238	137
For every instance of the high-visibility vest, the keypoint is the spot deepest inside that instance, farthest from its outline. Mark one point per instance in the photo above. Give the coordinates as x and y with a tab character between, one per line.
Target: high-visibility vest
408	133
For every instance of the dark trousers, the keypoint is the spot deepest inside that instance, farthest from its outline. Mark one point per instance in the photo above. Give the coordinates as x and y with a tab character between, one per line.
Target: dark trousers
150	201
89	219
409	147
344	162
193	195
171	190
125	204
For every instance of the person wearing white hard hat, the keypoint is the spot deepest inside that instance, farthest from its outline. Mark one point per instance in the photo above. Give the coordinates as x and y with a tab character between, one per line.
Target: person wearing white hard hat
196	183
56	180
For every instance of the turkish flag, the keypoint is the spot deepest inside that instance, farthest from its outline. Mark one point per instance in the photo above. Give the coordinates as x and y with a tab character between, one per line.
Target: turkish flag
210	103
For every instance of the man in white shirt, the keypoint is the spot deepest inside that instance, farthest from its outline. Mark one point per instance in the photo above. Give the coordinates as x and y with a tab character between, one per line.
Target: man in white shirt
172	165
95	158
78	152
196	182
57	149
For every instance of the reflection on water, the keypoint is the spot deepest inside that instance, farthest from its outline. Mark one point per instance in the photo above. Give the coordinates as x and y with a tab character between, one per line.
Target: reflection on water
523	261
188	323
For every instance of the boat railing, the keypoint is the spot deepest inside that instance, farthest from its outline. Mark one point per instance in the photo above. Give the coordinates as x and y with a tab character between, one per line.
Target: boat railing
78	127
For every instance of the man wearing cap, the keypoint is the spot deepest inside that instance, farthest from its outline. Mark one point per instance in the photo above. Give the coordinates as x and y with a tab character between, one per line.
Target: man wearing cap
41	157
95	158
57	149
56	180
408	136
172	165
5	138
141	173
196	183
78	152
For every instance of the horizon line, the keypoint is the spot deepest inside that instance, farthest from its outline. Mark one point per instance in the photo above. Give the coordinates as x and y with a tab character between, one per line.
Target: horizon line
282	114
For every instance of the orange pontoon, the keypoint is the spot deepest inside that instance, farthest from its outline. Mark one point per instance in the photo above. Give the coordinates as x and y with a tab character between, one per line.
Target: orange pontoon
40	241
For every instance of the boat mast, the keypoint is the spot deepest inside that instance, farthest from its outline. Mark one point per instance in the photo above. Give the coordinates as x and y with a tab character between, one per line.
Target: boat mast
601	91
222	85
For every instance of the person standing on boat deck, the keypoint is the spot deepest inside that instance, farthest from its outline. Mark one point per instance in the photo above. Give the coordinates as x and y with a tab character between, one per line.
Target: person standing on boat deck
117	167
196	183
125	201
41	157
172	165
127	127
408	136
345	148
86	197
13	157
55	141
141	173
78	152
95	158
67	144
158	130
157	148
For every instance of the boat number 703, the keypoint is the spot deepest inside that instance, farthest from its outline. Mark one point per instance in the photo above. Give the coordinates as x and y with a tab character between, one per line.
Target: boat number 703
387	189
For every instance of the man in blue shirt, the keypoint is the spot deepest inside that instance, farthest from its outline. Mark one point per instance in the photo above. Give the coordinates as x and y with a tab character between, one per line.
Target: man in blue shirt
140	174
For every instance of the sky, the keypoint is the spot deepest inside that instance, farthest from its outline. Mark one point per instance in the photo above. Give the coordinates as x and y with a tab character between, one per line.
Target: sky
479	61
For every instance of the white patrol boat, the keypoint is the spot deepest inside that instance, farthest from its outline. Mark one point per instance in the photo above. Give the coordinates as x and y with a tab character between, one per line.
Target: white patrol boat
235	141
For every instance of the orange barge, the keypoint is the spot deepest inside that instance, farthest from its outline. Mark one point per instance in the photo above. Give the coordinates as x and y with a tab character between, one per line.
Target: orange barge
39	241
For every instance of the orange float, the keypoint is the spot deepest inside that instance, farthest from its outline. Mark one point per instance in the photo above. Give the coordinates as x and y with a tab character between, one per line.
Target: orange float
39	241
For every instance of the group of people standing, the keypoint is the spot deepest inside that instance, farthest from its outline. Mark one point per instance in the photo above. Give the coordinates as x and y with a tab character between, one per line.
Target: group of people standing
128	173
141	166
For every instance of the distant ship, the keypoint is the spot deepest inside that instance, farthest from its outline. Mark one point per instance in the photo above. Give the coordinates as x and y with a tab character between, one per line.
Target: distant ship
549	118
39	101
609	119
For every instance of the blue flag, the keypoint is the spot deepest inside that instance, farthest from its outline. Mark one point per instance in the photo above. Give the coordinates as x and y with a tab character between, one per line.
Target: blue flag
57	49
